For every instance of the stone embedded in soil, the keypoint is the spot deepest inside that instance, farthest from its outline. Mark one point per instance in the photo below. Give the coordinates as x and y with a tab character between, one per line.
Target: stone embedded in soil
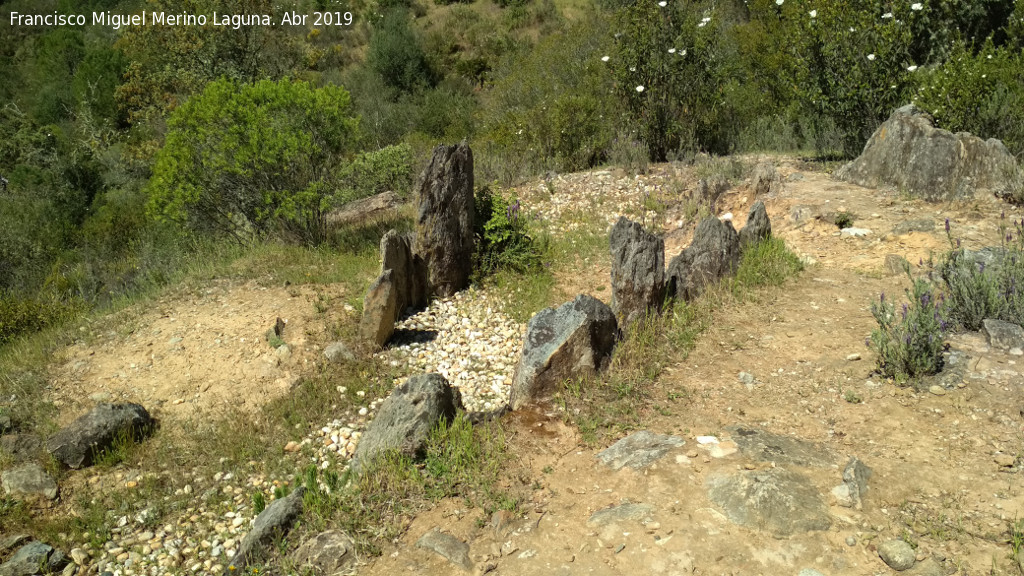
380	310
33	558
854	232
77	444
326	553
621	513
1003	335
21	447
273	523
855	477
758	226
638	450
572	340
766	180
778	501
897	554
29	480
895	264
638	272
908	226
406	417
767	447
451	548
338	353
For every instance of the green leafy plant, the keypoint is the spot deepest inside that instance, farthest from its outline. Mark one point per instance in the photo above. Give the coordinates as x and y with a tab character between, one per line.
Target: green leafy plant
504	239
255	159
844	219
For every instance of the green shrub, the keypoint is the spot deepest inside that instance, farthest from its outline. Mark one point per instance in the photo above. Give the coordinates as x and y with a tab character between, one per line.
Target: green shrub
978	91
387	169
396	53
503	235
909	343
255	159
767	263
25	315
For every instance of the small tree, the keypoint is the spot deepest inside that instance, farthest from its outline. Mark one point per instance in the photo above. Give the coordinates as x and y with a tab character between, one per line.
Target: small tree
255	159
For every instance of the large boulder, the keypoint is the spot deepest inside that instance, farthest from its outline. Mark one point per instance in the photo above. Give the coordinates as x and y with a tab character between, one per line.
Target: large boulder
78	444
713	254
574	339
638	272
910	153
444	227
758	226
404	420
269	527
776	500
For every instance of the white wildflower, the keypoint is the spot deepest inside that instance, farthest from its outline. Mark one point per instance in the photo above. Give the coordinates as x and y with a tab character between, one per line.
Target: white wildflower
604	58
813	13
639	88
911	68
916	6
779	2
871	57
662	3
671	50
887	15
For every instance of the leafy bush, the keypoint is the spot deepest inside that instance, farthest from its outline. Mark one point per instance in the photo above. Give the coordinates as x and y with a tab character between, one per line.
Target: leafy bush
396	53
503	235
24	315
977	290
260	158
978	91
387	169
767	263
909	343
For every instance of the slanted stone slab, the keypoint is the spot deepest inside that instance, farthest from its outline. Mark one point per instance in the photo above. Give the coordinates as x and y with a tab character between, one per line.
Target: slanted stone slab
621	513
29	480
758	226
638	272
380	310
573	340
34	558
713	254
638	450
447	546
406	417
272	524
77	445
326	554
766	180
776	501
1003	335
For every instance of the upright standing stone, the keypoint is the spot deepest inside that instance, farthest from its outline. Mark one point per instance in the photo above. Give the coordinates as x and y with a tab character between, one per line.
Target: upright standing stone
758	226
638	272
444	228
713	254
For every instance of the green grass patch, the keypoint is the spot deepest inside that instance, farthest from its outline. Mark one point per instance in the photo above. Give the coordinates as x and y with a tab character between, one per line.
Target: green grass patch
765	263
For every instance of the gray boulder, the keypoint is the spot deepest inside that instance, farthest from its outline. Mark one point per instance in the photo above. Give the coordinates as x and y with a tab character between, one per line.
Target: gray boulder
777	501
897	554
34	558
768	447
444	227
326	554
76	445
713	254
29	480
338	353
1003	335
758	226
638	272
574	339
404	420
766	180
271	525
638	450
908	152
22	447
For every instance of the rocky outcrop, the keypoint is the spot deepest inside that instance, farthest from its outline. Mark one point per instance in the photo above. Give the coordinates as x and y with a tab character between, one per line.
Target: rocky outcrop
444	227
77	445
713	254
766	180
447	546
574	339
404	420
401	285
326	554
910	153
34	558
638	450
638	272
1003	335
758	226
776	500
270	526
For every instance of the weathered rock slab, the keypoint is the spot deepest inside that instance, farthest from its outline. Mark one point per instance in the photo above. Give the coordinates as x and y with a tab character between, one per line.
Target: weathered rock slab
34	558
1003	335
406	417
638	272
380	310
783	450
449	547
29	480
444	227
766	180
638	450
777	501
621	513
713	254
575	339
77	445
897	554
758	226
326	554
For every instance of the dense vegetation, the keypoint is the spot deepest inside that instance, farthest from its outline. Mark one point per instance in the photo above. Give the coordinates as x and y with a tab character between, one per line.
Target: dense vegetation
125	150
